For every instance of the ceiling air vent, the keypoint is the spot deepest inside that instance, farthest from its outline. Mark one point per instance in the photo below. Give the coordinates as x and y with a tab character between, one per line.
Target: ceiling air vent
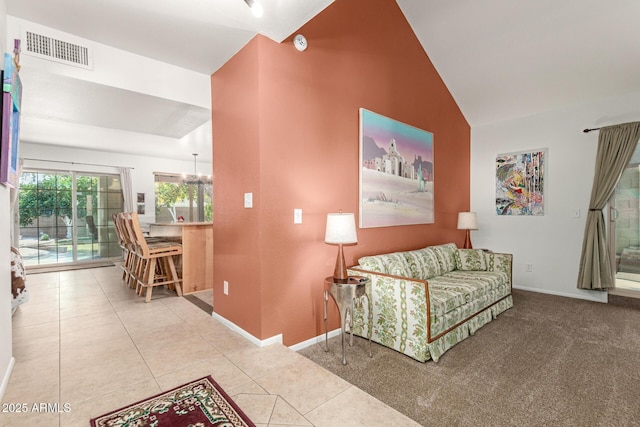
56	50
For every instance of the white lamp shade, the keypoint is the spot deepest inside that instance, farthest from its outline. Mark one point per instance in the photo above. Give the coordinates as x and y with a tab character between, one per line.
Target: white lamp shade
341	228
467	221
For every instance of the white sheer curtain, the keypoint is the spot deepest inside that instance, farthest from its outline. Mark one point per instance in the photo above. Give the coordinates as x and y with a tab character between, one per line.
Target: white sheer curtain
127	189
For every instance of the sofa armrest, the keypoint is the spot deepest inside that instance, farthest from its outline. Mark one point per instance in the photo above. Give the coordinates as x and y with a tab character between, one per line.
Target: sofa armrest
500	262
400	312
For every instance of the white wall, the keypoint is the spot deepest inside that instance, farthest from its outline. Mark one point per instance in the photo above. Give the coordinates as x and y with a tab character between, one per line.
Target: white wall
6	359
75	135
141	175
553	242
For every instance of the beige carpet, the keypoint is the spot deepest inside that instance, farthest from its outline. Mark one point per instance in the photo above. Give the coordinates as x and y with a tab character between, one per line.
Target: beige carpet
548	361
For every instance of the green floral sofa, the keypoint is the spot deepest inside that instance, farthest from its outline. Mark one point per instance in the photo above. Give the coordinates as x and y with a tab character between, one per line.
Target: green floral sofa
466	289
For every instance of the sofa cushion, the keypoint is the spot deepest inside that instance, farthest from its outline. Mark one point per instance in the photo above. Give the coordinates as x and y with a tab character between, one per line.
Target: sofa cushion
393	263
423	263
446	255
470	260
457	288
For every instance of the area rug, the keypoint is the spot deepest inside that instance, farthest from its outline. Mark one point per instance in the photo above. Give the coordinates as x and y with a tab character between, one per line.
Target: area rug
199	403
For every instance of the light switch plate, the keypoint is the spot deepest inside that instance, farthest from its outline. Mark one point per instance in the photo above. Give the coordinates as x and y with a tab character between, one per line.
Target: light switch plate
297	216
248	200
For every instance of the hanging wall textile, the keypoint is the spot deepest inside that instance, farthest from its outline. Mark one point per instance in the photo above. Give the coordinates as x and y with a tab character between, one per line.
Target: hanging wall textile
18	280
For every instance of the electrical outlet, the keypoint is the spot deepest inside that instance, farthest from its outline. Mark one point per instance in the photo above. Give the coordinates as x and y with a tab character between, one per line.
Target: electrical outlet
529	268
297	216
225	290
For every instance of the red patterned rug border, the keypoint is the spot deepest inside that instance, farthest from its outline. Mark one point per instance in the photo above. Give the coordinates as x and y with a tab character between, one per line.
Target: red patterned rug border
209	378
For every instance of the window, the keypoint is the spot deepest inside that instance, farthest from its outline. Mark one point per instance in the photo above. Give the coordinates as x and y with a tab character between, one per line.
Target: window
66	216
189	198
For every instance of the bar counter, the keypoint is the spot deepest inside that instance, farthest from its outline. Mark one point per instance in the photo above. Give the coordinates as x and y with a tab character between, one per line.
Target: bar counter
197	251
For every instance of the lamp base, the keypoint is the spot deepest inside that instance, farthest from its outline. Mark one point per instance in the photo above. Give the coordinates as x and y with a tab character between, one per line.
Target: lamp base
467	241
340	271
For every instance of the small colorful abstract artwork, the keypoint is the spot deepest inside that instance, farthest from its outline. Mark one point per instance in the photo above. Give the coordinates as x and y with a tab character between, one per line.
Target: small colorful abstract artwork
396	172
520	183
10	128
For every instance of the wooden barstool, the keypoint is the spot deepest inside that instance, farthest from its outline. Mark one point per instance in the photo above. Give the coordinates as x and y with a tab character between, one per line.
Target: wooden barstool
128	251
155	264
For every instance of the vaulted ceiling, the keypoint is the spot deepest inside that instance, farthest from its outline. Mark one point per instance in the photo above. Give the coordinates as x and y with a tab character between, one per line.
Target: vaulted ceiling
499	58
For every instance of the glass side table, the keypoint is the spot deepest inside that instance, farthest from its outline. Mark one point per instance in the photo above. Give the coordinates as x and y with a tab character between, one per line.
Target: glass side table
346	295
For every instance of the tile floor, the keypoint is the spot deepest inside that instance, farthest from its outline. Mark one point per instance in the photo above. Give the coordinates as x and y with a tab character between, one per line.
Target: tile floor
86	340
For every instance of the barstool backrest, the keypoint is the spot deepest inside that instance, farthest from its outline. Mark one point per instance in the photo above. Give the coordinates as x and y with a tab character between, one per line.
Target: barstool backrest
138	235
118	228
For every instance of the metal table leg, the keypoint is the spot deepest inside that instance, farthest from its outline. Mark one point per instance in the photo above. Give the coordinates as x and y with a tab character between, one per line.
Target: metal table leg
326	322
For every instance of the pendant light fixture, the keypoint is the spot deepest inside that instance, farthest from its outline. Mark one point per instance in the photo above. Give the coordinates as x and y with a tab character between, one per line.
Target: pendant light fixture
196	178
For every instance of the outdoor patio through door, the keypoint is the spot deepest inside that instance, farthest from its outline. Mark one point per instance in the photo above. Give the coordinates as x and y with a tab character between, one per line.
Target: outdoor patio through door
65	217
624	232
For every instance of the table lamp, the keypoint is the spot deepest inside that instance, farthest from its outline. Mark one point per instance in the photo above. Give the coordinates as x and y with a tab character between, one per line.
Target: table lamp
341	230
467	221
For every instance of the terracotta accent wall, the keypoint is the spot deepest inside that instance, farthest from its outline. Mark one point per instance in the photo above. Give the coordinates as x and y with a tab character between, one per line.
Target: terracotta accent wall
285	126
236	230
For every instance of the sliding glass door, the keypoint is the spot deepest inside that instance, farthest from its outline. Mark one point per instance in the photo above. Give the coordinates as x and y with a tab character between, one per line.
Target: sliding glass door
65	217
624	232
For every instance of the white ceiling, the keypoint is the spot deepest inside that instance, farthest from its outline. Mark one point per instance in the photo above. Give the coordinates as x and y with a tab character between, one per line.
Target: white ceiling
499	58
59	98
502	59
199	35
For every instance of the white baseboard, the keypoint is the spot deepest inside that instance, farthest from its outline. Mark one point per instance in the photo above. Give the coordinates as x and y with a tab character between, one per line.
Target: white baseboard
587	295
313	341
277	339
5	378
273	340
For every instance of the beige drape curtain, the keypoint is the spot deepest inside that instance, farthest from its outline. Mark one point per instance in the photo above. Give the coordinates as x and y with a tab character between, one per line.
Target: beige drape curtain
616	145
